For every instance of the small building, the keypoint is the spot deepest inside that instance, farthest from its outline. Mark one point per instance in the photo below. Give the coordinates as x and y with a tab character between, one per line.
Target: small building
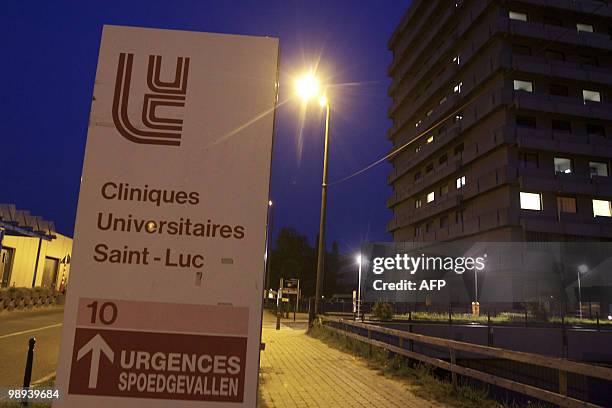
32	253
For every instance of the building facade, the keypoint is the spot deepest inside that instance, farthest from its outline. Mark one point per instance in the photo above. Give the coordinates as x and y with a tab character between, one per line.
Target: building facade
32	254
504	109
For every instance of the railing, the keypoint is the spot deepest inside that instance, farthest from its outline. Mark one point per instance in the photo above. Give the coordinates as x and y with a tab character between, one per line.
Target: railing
563	366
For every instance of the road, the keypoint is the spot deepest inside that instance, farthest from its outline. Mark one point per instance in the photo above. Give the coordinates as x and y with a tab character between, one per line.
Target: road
16	328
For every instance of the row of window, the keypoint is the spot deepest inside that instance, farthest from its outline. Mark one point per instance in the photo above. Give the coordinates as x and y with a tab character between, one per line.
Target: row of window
581	27
559	126
430	197
533	202
588	95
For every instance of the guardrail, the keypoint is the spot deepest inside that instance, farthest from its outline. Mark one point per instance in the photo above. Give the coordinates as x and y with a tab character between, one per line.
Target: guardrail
563	366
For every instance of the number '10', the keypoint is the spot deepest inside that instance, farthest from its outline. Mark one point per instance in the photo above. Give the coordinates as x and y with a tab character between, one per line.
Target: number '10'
107	314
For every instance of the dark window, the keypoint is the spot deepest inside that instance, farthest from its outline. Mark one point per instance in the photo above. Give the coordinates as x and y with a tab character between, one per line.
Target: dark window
417	231
428	226
441	129
558	90
443	159
459	149
566	205
552	21
588	60
444	221
521	49
561	126
417	175
526	121
529	160
554	55
429	167
459	217
595	130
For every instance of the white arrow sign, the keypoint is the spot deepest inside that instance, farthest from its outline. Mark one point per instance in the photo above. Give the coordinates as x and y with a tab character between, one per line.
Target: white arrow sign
95	345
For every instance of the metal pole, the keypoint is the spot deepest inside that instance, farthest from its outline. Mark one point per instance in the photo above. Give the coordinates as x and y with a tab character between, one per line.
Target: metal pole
36	264
579	295
476	284
27	376
359	289
321	247
269	243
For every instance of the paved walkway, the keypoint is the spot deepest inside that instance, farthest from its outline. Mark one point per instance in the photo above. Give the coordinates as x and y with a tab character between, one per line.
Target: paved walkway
300	371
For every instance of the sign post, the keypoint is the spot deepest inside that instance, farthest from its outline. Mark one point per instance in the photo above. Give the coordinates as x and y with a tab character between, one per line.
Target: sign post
164	306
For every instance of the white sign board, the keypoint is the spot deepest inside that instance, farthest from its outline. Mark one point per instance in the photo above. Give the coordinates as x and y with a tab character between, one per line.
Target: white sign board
164	299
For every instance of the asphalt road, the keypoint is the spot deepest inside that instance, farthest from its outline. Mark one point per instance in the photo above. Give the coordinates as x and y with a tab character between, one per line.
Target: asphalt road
16	328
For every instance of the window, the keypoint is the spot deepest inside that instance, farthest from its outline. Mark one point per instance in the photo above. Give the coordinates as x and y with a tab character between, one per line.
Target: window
444	190
428	226
430	139
561	126
459	217
442	100
418	203
523	85
595	130
552	21
531	201
441	129
429	112
588	60
457	88
585	28
443	159
457	59
444	221
431	196
417	149
598	168
602	208
529	160
460	182
563	165
418	123
417	231
458	117
526	121
519	49
558	90
429	168
417	175
592	96
566	205
554	55
459	149
517	15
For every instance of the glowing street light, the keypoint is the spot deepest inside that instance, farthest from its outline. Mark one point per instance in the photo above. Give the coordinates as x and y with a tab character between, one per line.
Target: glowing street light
307	88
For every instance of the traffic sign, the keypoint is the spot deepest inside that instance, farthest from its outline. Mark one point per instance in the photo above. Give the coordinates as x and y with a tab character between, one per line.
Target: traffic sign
164	306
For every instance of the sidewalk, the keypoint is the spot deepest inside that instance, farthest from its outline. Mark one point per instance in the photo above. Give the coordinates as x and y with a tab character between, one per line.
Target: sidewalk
300	371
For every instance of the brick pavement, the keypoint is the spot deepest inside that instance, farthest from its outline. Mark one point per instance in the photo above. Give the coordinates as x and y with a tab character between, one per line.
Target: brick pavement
300	371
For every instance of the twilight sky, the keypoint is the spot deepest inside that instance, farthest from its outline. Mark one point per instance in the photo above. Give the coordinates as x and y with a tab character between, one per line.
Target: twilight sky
50	51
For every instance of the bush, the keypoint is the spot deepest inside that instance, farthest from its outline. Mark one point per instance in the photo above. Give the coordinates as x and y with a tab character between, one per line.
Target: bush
382	310
11	298
536	310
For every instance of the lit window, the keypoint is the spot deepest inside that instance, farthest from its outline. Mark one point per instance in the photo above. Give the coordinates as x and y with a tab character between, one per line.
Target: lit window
460	182
602	208
430	139
585	28
417	149
515	15
593	96
417	203
458	117
457	59
418	123
531	201
598	169
563	165
523	85
566	205
457	88
431	196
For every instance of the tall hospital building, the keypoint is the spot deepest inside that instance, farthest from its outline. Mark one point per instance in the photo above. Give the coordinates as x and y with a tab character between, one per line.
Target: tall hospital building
519	95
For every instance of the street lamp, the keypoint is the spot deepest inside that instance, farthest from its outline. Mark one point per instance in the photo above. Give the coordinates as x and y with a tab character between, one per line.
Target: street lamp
581	270
308	88
358	259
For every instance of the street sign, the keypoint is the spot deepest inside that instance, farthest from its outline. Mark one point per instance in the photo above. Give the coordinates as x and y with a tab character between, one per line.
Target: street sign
164	299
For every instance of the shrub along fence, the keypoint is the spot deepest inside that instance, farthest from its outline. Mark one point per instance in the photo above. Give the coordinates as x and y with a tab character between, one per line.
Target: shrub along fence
27	298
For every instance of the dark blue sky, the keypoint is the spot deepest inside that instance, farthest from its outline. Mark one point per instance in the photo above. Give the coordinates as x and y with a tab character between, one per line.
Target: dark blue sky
49	56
